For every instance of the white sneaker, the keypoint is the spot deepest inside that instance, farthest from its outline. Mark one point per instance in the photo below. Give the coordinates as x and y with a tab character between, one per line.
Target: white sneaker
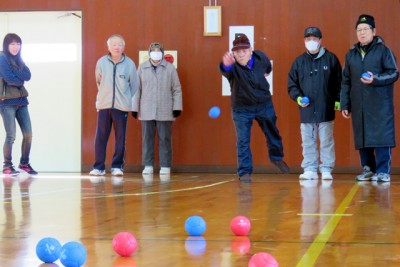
374	177
165	170
383	177
327	176
96	172
117	172
147	170
309	175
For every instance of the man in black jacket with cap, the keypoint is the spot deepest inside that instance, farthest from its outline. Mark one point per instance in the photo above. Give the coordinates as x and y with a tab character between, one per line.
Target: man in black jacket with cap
246	71
316	74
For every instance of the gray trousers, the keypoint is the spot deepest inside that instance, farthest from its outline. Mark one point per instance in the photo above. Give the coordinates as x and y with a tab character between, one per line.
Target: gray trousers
309	134
164	132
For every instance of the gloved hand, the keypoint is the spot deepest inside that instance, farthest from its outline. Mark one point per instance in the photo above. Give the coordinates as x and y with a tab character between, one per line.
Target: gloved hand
337	105
134	114
176	113
299	98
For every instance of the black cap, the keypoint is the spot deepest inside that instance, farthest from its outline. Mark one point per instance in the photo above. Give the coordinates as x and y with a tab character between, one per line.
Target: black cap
312	31
367	19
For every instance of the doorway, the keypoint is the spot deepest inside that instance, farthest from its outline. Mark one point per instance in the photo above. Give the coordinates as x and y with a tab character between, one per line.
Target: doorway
52	49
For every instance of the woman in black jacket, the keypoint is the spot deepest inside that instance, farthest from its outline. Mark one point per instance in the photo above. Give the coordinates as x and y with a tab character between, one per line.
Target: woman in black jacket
367	96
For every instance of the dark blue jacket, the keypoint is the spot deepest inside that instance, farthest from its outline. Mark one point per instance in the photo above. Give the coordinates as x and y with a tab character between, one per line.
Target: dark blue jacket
371	105
249	87
13	74
319	79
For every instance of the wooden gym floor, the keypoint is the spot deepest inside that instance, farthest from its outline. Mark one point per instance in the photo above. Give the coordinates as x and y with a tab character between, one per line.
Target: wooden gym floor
300	223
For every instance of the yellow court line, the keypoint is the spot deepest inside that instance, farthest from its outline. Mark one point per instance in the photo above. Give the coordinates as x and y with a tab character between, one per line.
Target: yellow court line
313	252
324	214
159	192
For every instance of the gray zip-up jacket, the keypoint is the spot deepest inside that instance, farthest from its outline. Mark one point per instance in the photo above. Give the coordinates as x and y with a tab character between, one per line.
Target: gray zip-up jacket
116	83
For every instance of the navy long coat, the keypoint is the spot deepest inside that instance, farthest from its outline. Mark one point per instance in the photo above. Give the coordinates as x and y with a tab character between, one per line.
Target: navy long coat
371	105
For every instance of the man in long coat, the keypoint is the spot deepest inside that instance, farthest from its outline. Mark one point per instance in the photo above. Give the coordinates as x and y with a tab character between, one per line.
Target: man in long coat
367	96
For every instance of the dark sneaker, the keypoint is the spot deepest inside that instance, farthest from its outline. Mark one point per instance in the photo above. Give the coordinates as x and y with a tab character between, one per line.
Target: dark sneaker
27	168
366	175
283	167
10	170
245	178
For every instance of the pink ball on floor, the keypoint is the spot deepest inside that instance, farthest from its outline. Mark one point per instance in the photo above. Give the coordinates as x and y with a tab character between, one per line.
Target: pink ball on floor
240	225
263	259
124	243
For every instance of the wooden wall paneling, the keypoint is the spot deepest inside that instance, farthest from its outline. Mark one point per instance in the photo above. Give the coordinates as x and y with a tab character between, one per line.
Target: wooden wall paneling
200	142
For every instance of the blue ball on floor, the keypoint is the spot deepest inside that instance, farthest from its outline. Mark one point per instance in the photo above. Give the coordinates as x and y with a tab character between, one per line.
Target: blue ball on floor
73	254
48	250
195	226
214	112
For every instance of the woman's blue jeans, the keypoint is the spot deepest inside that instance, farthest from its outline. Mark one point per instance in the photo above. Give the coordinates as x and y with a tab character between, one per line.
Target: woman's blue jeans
10	115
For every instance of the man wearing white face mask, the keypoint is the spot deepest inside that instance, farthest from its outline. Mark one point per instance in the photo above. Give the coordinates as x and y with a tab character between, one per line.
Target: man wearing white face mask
157	103
314	84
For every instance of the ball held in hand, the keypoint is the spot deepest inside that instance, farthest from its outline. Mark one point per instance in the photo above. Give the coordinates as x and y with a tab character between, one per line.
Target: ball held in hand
305	100
366	75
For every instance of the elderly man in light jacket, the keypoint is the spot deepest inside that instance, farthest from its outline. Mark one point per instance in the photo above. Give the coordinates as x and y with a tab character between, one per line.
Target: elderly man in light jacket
157	103
117	82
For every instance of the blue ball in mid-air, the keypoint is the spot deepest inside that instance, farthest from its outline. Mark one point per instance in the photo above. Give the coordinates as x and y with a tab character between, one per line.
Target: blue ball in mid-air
195	226
214	112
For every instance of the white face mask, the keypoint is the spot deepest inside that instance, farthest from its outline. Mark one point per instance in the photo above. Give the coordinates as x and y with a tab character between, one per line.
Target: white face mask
312	45
156	55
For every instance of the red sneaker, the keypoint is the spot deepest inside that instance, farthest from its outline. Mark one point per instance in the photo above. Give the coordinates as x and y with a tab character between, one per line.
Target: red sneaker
27	168
10	170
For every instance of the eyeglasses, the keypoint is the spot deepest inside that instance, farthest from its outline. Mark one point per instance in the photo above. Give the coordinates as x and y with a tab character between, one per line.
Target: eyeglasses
363	30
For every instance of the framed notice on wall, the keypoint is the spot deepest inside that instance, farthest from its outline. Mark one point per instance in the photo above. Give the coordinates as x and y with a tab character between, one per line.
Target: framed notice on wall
212	21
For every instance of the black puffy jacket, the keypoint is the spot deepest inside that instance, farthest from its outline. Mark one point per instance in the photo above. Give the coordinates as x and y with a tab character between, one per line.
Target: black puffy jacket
371	105
319	79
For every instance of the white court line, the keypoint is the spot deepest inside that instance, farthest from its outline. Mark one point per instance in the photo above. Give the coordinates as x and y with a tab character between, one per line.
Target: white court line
160	192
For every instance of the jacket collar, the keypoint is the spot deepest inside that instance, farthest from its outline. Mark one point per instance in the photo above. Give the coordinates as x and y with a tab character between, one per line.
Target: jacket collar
147	64
321	52
121	60
375	41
